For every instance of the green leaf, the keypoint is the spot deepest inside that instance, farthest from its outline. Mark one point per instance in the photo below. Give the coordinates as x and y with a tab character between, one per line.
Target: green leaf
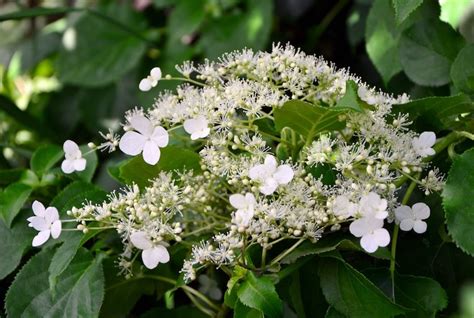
45	157
403	8
462	70
440	112
307	119
351	293
103	51
333	313
179	312
453	11
242	311
459	210
80	290
14	242
35	12
423	294
259	293
172	158
351	99
12	199
248	28
75	194
381	38
8	176
427	50
186	18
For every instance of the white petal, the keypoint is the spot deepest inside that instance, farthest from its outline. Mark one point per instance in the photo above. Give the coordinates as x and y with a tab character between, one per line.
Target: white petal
80	164
382	237
238	201
140	240
259	172
38	208
421	211
132	143
284	174
200	134
70	147
250	199
427	138
419	226
195	124
153	256
144	85
358	228
38	223
271	163
269	186
403	212
406	224
369	243
41	238
67	166
156	73
160	136
51	214
56	229
141	124
151	153
162	252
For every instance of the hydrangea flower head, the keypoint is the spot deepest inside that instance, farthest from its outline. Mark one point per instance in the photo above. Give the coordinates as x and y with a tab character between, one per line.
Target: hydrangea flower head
145	138
151	80
424	143
46	221
197	127
271	175
371	232
245	208
73	158
152	254
372	205
412	218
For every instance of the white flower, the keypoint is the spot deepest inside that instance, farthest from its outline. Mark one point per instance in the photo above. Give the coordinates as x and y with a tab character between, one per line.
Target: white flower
152	254
146	138
73	158
46	221
369	96
197	127
423	144
209	287
270	175
343	207
371	232
411	218
151	80
245	208
371	205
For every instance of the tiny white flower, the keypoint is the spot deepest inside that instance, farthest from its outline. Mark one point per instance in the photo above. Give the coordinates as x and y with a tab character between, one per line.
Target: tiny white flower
152	254
368	96
245	206
73	158
371	232
147	139
424	143
372	205
151	80
411	218
209	287
342	206
197	127
270	175
46	221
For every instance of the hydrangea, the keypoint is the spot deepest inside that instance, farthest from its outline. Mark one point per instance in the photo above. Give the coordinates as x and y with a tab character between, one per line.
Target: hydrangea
371	232
152	254
197	127
73	158
245	206
424	143
145	138
270	175
412	218
151	80
46	221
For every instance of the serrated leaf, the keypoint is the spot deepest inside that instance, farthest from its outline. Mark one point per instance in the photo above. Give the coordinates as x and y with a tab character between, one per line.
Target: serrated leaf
103	52
462	70
45	157
242	311
14	242
259	293
80	290
351	293
458	208
172	158
403	8
307	119
351	99
427	50
12	199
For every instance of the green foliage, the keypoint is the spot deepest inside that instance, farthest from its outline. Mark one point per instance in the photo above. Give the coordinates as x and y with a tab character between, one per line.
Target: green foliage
458	208
462	70
351	99
80	289
12	200
44	158
403	8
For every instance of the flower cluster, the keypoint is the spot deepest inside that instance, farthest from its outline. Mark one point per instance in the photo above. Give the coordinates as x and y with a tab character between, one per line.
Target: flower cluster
256	185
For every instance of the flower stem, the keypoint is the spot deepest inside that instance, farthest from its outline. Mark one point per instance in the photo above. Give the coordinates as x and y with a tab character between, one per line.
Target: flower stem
288	251
396	229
